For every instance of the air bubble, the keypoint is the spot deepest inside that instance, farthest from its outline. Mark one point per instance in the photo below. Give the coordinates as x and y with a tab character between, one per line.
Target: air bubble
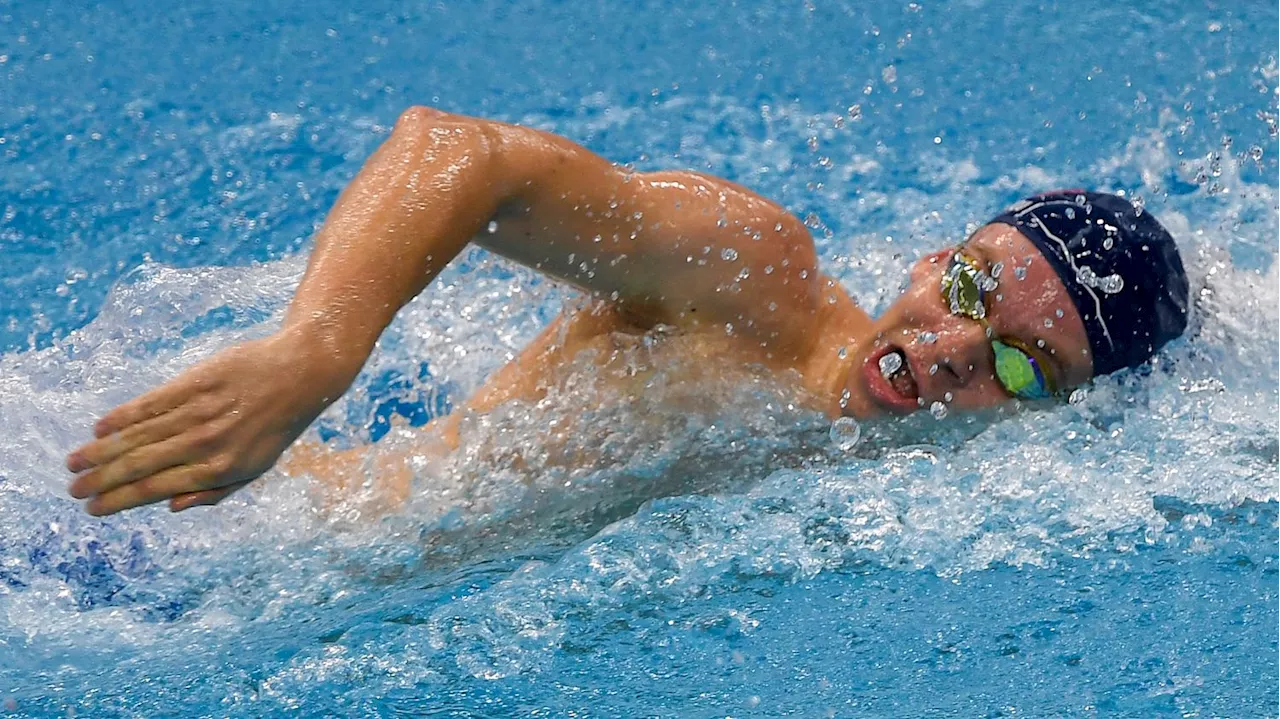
996	269
933	369
728	254
1078	396
493	226
845	433
938	410
927	338
1048	322
1020	273
948	397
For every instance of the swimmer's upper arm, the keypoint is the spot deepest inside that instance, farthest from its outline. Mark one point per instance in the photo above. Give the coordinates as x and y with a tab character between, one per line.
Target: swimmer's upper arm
677	247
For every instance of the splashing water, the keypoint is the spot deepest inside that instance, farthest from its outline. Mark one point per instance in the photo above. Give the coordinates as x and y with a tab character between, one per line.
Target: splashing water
706	532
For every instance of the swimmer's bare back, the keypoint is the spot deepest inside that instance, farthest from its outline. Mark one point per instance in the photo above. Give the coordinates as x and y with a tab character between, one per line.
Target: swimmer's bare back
654	248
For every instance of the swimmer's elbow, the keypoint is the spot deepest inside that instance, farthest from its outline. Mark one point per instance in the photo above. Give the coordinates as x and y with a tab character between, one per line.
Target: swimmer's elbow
475	140
418	118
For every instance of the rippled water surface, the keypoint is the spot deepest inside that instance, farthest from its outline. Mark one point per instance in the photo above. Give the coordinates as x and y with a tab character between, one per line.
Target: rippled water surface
161	172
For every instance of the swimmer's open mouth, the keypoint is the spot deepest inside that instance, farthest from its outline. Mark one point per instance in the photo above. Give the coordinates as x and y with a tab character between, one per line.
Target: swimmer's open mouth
893	367
891	381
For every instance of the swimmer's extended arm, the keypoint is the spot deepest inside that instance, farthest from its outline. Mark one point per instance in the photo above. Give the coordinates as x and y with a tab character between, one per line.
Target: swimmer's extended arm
666	247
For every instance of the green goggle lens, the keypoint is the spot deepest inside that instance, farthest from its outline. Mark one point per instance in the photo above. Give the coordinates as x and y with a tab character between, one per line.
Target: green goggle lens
963	287
1019	372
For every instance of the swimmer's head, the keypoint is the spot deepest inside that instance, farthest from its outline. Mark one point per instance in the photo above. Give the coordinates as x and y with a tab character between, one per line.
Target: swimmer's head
1060	288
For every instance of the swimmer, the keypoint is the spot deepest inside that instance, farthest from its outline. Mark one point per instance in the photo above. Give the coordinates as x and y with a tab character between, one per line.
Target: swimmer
1058	289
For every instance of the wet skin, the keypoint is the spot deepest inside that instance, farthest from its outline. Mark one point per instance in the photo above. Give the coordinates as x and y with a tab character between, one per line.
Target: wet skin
1030	305
687	251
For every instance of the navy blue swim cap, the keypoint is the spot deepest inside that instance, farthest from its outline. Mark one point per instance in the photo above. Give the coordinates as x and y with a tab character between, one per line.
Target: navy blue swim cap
1120	266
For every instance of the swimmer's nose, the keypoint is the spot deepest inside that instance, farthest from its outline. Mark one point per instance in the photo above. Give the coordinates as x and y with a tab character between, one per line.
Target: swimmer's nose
960	353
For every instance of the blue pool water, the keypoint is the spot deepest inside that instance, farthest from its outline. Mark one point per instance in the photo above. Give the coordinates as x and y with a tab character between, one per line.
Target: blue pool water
161	172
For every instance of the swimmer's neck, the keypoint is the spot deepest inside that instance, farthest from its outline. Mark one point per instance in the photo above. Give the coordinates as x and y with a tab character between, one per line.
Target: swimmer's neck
841	332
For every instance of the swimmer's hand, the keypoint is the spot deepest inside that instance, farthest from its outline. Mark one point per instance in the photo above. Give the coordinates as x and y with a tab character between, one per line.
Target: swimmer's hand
210	431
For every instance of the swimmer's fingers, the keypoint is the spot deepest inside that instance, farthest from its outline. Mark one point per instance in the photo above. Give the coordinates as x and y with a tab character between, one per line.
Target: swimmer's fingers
156	402
146	456
141	436
207	497
157	487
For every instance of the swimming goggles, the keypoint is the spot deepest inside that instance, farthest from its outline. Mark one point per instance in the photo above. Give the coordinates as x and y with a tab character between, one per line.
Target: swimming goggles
964	289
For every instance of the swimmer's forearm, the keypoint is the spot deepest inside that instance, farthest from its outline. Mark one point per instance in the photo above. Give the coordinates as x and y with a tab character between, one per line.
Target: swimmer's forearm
411	209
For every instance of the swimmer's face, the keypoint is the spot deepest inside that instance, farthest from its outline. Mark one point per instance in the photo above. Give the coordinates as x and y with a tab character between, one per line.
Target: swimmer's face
949	357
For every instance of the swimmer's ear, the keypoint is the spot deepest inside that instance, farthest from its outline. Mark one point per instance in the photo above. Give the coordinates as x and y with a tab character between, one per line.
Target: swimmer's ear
929	264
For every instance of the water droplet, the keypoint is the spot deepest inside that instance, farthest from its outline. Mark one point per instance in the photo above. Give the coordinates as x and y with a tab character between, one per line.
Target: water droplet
493	226
1078	395
1040	344
996	269
842	352
947	397
768	269
844	398
1058	313
804	274
845	433
1108	243
927	338
1110	284
1048	322
933	369
1070	212
938	410
1020	273
728	254
890	363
